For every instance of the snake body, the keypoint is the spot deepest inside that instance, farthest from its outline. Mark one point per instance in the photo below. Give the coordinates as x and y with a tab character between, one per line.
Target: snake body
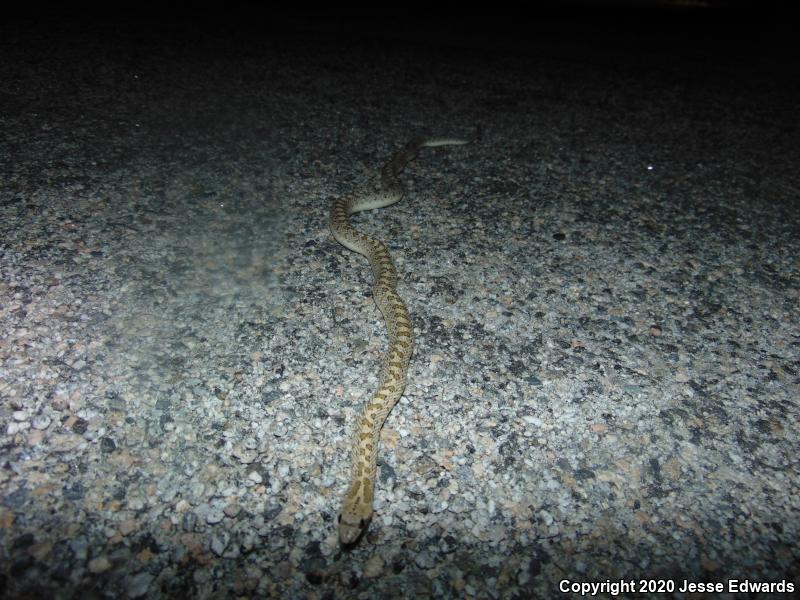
356	511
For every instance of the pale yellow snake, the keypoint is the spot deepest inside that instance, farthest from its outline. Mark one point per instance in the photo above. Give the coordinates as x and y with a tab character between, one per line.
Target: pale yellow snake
356	510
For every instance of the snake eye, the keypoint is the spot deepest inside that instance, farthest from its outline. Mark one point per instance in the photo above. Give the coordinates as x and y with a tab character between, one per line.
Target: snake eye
339	519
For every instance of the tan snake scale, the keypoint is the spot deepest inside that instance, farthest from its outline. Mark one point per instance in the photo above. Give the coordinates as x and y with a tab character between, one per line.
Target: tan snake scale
356	511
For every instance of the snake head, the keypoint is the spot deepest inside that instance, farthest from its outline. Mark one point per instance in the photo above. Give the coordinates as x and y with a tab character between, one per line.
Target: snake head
351	528
353	522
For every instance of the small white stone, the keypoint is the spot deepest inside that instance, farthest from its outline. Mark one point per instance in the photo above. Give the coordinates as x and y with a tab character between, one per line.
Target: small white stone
99	564
17	427
41	422
214	515
424	560
219	542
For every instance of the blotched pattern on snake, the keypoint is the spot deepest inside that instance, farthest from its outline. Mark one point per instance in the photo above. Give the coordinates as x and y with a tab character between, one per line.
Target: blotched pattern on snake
356	511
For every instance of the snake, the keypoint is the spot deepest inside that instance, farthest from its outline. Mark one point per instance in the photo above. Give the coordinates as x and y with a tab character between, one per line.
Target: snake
356	511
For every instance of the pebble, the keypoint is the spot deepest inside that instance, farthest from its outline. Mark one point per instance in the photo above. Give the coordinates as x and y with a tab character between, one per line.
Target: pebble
99	565
41	422
219	542
214	515
139	584
128	526
374	566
